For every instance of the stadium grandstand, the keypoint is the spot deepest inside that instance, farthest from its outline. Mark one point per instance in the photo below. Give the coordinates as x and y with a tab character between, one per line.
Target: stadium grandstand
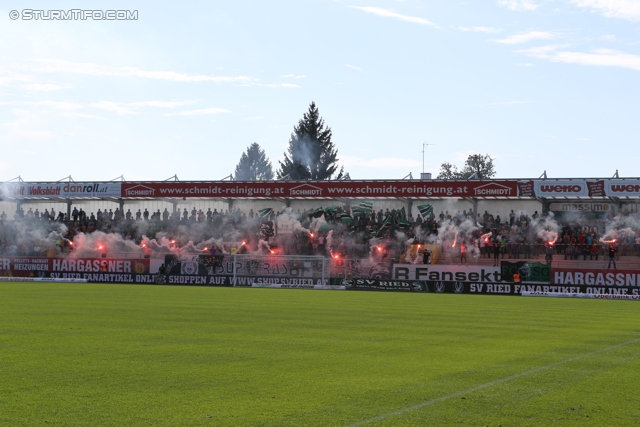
407	221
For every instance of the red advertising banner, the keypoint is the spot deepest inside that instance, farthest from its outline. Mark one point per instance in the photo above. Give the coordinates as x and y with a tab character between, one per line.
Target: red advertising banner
321	189
525	189
596	188
37	266
595	277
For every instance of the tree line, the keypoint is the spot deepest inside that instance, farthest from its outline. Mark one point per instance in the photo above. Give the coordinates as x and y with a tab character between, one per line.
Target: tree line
312	155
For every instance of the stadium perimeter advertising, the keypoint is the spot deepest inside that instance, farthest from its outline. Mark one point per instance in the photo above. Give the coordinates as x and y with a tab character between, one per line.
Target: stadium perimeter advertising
307	273
541	188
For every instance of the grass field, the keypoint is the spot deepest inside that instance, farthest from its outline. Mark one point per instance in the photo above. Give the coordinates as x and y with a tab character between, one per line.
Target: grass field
127	355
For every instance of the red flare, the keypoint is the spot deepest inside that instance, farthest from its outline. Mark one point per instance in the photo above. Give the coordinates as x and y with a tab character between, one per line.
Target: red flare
311	234
206	248
243	243
272	252
70	243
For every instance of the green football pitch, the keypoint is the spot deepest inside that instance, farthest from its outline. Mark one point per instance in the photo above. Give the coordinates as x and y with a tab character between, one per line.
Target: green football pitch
127	355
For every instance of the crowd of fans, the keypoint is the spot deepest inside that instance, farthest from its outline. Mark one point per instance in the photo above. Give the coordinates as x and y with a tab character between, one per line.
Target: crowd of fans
337	233
573	237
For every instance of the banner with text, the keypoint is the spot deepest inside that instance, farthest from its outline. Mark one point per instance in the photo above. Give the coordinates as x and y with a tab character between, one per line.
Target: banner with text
66	190
459	273
223	265
41	266
317	189
597	277
447	287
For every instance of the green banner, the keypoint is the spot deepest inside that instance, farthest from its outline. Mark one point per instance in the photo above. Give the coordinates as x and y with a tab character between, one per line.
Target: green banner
529	271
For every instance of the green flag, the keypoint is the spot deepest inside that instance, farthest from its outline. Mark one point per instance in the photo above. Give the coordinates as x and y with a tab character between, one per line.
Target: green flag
345	218
367	207
425	210
330	213
357	212
400	219
265	213
387	221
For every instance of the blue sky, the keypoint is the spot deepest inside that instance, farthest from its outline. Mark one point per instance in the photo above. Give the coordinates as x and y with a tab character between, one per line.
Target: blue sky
184	89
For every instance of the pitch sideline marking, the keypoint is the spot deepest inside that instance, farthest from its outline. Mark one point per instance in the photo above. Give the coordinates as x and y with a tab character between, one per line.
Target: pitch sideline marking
486	385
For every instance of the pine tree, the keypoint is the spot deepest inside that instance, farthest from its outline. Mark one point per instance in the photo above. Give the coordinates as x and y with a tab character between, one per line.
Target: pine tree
254	165
311	154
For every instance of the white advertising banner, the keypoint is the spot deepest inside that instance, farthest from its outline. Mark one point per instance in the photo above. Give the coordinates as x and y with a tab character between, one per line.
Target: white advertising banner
453	273
579	207
555	188
66	190
622	188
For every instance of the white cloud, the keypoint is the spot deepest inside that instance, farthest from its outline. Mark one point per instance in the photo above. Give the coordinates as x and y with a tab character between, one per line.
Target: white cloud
486	30
380	163
599	57
43	87
200	112
119	109
30	133
353	67
608	37
623	9
84	116
391	14
58	105
160	104
287	85
512	102
519	5
59	66
526	37
7	76
23	126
